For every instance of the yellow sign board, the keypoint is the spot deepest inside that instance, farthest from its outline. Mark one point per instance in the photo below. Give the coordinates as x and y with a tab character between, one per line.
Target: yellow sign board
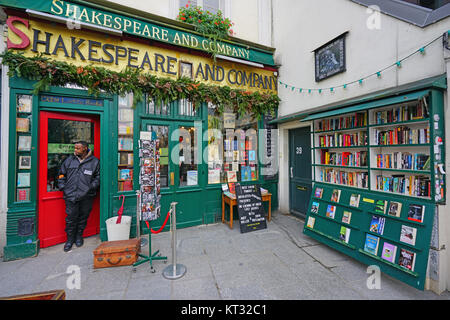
83	47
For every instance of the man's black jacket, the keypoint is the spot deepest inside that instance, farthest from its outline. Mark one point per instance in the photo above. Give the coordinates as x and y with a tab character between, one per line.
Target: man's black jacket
79	179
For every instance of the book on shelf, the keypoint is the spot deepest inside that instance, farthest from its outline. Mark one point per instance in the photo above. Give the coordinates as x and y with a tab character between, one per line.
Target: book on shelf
311	221
408	235
345	159
349	178
125	159
125	144
331	211
377	224
354	200
336	195
371	244
407	259
403	161
346	217
315	207
318	193
126	185
388	252
340	139
413	185
401	135
416	212
380	206
125	174
395	208
359	119
344	234
402	113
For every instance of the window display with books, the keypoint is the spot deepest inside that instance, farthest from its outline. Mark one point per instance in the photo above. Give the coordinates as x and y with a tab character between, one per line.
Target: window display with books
23	146
397	148
125	134
378	175
232	148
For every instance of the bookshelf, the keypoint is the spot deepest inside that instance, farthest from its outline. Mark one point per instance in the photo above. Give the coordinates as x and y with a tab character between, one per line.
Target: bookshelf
388	149
125	134
374	170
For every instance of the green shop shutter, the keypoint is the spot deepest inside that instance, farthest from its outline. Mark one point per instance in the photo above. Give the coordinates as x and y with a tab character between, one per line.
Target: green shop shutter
369	105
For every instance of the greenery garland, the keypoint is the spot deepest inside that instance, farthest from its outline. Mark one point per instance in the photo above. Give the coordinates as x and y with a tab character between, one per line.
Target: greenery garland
98	80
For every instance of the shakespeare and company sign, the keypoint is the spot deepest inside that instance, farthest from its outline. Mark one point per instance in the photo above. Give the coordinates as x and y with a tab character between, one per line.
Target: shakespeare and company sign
81	48
140	28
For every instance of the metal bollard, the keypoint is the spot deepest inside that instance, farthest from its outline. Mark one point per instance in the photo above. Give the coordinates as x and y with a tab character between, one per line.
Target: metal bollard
174	271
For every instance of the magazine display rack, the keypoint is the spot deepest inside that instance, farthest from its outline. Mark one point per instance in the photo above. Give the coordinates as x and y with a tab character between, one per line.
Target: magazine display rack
378	175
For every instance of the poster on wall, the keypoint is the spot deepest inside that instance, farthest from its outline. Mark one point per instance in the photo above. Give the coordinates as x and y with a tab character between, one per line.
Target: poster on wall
330	58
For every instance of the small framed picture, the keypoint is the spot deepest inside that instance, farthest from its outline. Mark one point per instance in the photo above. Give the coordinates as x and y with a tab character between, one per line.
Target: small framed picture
186	70
330	58
24	162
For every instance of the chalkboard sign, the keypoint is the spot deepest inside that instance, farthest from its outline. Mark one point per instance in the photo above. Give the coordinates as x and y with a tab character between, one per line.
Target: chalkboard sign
250	208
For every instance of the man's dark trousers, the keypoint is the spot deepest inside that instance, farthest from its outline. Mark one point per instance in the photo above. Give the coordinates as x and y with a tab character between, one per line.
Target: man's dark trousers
77	217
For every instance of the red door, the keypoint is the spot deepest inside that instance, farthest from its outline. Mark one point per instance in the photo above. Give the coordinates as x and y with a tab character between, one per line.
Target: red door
58	132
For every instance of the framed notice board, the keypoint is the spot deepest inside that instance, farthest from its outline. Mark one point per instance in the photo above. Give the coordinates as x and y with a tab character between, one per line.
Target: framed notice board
389	231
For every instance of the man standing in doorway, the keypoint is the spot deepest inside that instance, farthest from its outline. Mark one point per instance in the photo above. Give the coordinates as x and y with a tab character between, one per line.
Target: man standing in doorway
79	179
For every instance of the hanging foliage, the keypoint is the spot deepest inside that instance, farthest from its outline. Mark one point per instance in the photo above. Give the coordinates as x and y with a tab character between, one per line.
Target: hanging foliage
98	80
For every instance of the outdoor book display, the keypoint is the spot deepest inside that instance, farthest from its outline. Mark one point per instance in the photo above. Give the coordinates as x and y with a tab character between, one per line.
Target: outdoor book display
378	174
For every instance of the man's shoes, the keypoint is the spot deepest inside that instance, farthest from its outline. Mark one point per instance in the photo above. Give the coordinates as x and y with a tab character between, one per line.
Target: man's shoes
79	242
68	246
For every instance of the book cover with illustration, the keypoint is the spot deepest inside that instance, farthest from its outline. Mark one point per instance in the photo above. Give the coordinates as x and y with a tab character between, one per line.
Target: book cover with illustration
377	224
344	234
346	217
331	210
311	221
380	206
315	207
389	252
408	235
336	195
416	212
354	200
395	209
318	193
407	259
371	244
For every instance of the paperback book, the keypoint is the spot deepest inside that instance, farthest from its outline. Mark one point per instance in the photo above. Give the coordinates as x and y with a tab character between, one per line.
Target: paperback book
371	244
335	196
416	212
354	200
331	210
395	208
389	252
311	221
380	206
407	259
318	193
315	207
344	234
377	224
408	235
346	217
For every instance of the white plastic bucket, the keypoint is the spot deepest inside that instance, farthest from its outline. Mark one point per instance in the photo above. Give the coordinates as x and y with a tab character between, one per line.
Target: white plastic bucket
119	231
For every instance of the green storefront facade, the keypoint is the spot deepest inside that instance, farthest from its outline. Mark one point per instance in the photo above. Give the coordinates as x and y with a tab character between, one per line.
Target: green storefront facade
115	128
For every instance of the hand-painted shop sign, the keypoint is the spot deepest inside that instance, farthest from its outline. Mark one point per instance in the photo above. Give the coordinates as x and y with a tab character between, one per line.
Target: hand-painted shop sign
140	28
83	48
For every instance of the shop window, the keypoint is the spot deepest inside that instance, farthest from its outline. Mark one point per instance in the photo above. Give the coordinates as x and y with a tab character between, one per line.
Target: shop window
232	148
23	148
125	143
187	156
160	109
162	133
62	134
208	5
186	108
